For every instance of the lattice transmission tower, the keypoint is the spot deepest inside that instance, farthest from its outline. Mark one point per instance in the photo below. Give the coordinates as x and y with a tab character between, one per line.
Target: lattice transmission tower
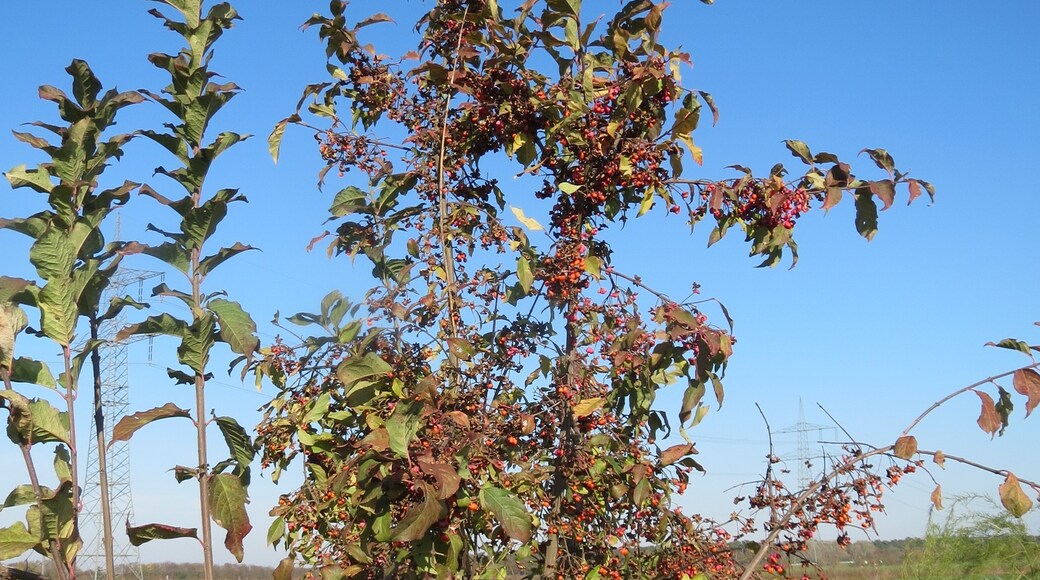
805	454
115	401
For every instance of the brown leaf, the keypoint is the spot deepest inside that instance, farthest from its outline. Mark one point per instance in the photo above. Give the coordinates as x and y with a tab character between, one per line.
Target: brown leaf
905	447
446	477
284	571
1027	382
527	424
937	497
940	459
915	190
1013	498
676	452
460	418
989	419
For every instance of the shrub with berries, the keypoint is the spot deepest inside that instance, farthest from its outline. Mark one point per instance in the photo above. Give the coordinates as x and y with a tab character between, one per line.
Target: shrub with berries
489	405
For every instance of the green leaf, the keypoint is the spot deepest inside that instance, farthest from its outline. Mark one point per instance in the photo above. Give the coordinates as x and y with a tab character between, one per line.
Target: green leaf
347	201
197	342
866	214
274	140
224	254
276	531
58	311
129	424
318	409
141	534
162	324
354	369
419	518
524	274
227	499
15	540
284	571
529	223
239	444
401	428
22	495
509	510
237	329
800	150
26	370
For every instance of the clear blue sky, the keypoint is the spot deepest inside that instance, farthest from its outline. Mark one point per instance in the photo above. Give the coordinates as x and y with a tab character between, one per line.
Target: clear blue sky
874	332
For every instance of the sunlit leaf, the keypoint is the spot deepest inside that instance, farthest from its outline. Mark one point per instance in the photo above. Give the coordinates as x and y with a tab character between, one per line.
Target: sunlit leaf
936	497
1027	382
989	419
141	534
905	447
529	223
227	498
129	424
420	518
509	510
1013	498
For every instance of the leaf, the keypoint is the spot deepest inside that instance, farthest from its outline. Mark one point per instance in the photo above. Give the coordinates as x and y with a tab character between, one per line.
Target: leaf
509	510
905	447
1027	382
162	324
12	321
223	254
939	459
529	223
15	540
461	348
401	429
1013	498
691	398
989	419
420	518
284	571
354	369
866	214
227	500
239	444
129	424
142	534
587	407
274	140
800	150
237	329
676	452
446	477
524	274
937	497
26	370
1012	344
885	190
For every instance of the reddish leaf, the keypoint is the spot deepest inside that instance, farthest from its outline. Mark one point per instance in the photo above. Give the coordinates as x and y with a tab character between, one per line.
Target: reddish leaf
128	425
1013	498
937	497
886	191
227	499
676	452
915	190
1027	382
989	419
446	477
905	447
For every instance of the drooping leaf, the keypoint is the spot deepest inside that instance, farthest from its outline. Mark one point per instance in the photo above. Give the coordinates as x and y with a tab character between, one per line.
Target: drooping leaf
239	444
905	447
989	419
1013	498
691	398
420	517
401	429
446	477
12	322
509	510
162	324
22	495
1012	344
139	535
128	425
223	254
939	459
524	274
866	214
800	150
1027	383
237	329
937	497
227	499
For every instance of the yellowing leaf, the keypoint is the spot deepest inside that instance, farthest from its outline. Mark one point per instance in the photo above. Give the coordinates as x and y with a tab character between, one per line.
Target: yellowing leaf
940	459
676	452
529	223
1027	382
905	447
1013	498
989	419
587	407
